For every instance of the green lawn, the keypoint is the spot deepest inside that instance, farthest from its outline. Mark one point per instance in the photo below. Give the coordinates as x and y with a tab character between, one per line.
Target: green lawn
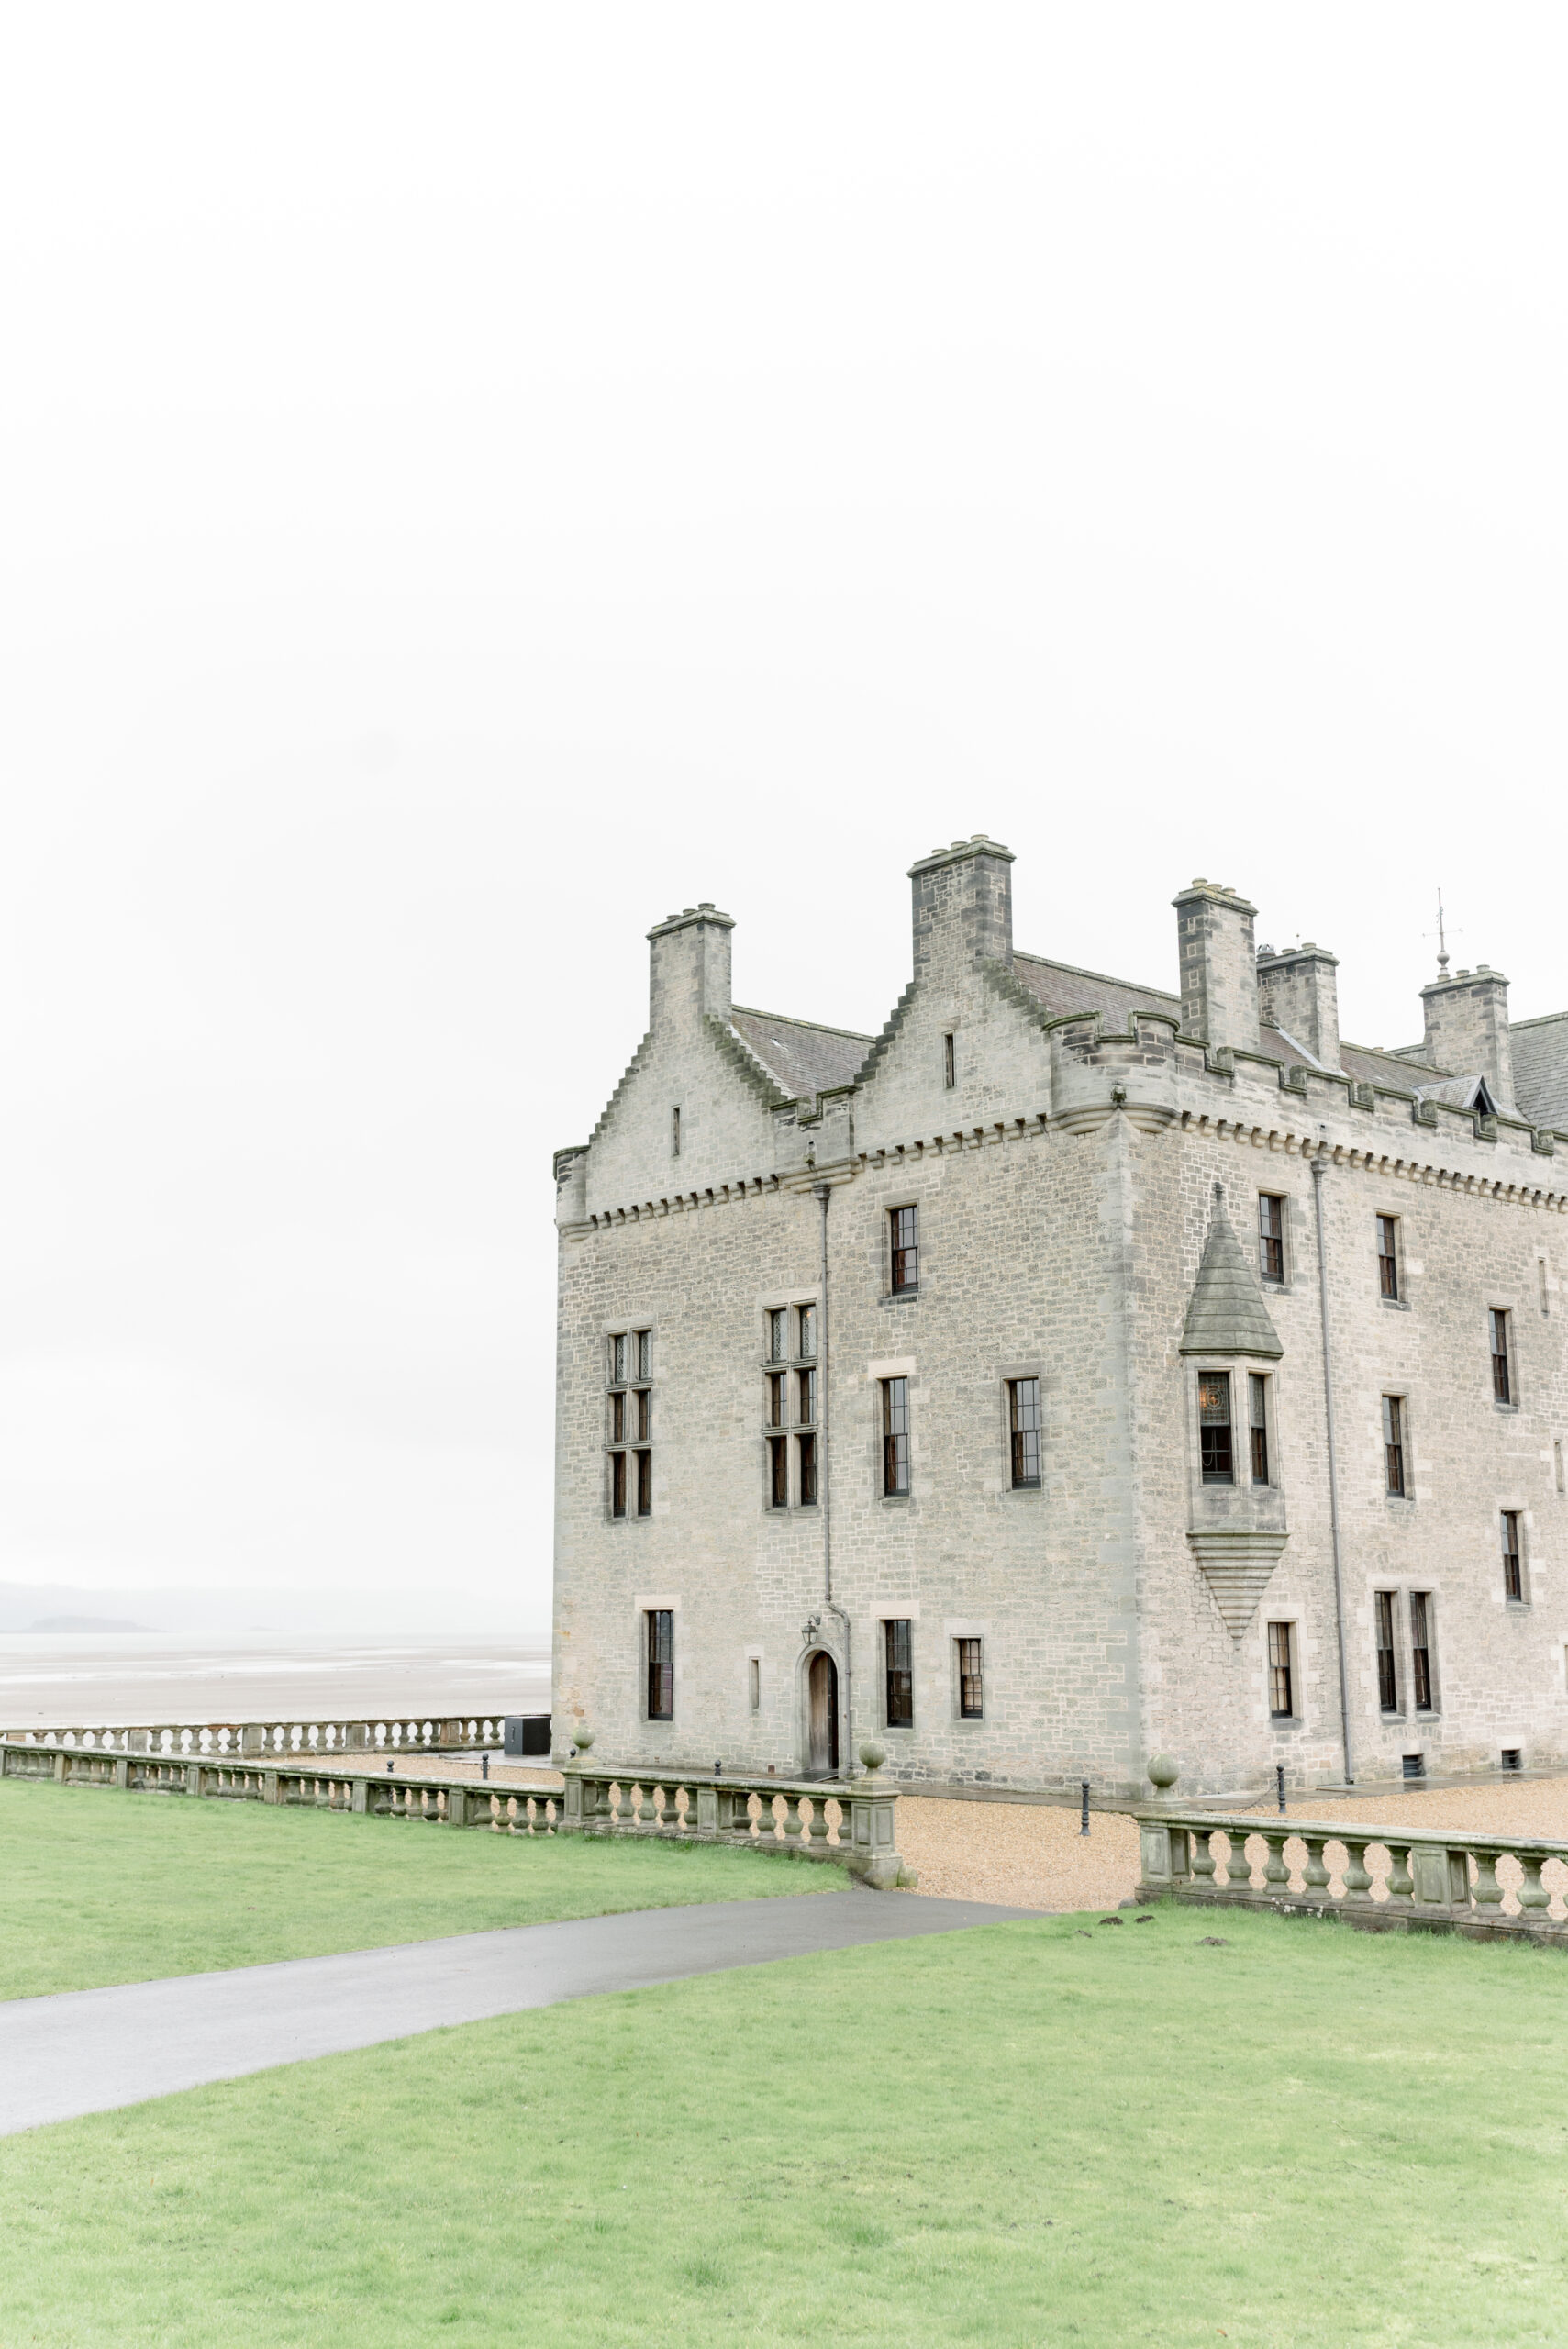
98	1887
1012	2137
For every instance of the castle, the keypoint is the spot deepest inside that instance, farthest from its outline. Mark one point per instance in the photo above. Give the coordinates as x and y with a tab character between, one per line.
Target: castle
1074	1369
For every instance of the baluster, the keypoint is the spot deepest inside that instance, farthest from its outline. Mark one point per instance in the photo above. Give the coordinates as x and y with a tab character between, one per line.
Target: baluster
685	1810
640	1807
1533	1898
511	1814
819	1828
550	1815
1488	1891
1204	1859
1358	1882
533	1817
656	1811
1315	1875
1239	1867
1401	1883
1276	1871
793	1822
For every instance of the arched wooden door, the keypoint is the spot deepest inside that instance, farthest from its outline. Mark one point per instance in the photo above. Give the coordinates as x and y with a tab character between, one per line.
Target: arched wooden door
823	1689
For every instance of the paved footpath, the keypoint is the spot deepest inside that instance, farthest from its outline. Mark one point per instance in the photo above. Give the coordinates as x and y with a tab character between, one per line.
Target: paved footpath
90	2051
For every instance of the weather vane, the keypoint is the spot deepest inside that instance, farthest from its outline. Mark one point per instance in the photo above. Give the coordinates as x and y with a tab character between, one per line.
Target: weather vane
1442	941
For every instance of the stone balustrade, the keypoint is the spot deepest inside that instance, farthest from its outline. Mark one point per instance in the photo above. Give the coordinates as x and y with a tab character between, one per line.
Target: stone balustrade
337	1739
1383	1879
852	1825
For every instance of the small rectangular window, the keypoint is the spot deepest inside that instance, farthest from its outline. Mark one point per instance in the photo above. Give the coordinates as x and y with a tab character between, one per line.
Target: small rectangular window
618	1418
894	1435
1388	1673
778	1336
806	1446
971	1682
775	1398
1421	1649
1513	1758
1502	1369
808	1333
660	1622
1413	1764
754	1683
1258	1418
900	1674
1282	1695
904	1228
1394	1445
645	1353
675	1134
1271	1237
949	1063
805	1398
644	1402
1023	1413
1214	1426
778	1472
644	1483
1387	1257
1513	1576
618	1483
620	1360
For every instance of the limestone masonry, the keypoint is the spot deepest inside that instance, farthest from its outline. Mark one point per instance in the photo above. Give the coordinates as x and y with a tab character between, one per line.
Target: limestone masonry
1073	1371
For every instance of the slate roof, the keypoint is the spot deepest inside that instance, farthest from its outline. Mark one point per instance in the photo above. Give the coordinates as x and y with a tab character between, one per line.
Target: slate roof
1063	987
801	1057
1227	1314
1540	1070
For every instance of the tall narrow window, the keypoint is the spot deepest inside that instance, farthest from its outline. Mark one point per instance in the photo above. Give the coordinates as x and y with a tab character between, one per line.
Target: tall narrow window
1540	1277
775	1398
1557	1463
1421	1649
805	1398
1387	1257
1387	1677
1258	1425
808	1333
1271	1237
661	1624
1394	1444
1282	1695
675	1134
754	1683
1214	1428
950	1062
1513	1578
807	1447
632	1423
1023	1413
895	1435
900	1674
778	1472
904	1232
778	1335
1502	1369
971	1682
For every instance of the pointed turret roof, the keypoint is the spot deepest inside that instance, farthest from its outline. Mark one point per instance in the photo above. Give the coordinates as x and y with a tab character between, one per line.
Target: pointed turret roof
1227	1314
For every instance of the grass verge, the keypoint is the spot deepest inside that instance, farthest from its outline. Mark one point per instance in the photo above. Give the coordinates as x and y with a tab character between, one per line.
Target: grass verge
102	1887
1305	2138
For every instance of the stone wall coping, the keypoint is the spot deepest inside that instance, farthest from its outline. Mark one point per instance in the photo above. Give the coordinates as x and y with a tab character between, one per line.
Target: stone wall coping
1337	1831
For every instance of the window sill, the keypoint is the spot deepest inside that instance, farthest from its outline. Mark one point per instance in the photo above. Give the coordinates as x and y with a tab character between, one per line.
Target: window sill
1024	1491
896	1500
1286	1721
902	1297
1395	1304
1507	1410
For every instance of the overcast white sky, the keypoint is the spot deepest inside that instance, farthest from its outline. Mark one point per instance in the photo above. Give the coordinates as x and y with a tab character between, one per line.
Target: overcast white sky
478	477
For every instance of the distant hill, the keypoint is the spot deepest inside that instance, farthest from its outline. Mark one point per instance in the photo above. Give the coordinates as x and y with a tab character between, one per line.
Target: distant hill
87	1623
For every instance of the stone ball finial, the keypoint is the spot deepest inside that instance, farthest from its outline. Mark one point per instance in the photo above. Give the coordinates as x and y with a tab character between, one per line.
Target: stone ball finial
1163	1770
583	1739
873	1755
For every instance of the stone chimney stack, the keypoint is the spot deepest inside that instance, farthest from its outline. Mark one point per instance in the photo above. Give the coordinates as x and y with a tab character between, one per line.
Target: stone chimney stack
1218	965
689	968
1467	1029
963	908
1298	992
